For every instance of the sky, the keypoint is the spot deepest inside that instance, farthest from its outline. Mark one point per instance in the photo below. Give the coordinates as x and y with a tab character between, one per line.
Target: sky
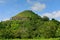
49	8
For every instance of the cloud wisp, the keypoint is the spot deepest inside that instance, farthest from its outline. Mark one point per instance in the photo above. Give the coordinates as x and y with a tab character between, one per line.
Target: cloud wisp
6	19
55	14
36	6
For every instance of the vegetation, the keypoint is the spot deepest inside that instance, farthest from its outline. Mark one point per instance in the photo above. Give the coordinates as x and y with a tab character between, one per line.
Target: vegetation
33	39
28	25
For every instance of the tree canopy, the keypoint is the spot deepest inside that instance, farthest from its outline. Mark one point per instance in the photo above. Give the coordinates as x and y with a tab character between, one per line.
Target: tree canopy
28	24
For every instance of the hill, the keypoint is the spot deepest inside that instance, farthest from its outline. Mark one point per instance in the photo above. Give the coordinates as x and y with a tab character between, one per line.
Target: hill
27	24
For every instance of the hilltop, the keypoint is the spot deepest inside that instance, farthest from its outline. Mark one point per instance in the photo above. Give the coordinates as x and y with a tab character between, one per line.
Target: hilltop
27	14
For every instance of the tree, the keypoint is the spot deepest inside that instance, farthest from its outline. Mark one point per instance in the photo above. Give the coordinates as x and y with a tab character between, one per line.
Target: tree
58	32
47	30
45	18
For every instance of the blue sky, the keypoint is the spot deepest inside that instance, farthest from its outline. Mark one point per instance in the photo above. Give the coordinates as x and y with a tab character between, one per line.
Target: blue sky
9	8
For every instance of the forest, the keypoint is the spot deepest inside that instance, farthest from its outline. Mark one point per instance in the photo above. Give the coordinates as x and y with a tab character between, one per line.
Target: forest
29	25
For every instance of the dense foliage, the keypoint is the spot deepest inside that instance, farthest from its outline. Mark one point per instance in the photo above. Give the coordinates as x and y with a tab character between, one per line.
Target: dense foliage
27	24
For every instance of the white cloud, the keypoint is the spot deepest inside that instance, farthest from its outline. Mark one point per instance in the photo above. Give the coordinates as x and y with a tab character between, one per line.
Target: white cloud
5	19
55	14
38	6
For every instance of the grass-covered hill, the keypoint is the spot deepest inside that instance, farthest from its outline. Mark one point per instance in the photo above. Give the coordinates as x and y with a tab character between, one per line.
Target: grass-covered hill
27	24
